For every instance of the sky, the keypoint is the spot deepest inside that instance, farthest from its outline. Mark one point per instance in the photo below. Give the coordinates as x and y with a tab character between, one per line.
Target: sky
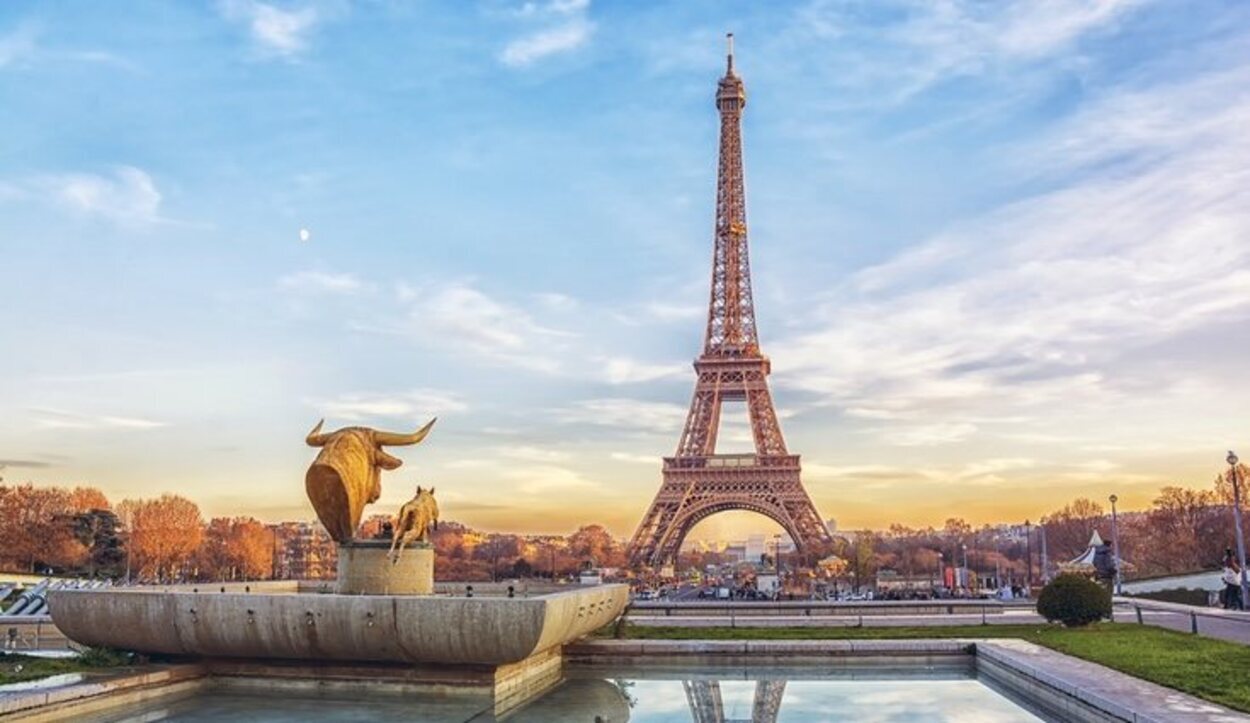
1001	250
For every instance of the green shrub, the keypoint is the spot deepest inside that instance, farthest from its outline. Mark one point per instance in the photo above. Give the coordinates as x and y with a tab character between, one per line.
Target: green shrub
1074	600
104	658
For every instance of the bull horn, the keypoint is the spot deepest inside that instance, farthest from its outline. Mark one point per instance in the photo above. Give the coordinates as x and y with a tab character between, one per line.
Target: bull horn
315	437
390	439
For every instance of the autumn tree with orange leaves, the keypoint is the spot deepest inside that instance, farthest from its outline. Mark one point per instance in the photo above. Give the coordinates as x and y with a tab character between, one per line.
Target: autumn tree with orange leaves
164	534
38	530
238	548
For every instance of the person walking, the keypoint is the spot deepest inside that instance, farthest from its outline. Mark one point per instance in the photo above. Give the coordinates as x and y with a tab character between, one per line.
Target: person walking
1232	582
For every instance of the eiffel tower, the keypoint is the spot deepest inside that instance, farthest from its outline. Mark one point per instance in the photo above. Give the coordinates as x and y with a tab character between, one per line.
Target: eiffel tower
698	482
706	706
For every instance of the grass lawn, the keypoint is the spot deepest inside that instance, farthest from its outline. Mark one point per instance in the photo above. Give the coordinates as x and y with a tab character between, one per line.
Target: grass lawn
17	668
1212	669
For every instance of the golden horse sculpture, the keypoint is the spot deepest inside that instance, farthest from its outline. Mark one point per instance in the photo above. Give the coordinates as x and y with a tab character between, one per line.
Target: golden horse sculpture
414	522
347	474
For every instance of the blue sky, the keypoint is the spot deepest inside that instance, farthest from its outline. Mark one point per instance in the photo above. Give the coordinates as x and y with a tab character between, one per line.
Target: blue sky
999	248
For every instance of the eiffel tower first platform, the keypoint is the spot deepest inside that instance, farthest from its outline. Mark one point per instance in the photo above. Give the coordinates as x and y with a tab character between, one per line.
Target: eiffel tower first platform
698	482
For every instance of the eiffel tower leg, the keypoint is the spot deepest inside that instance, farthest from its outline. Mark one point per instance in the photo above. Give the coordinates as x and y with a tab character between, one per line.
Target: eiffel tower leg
703	697
702	423
767	704
642	546
764	426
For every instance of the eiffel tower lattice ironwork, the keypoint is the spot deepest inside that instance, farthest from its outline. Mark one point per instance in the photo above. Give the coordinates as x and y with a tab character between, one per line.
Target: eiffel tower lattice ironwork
698	482
706	705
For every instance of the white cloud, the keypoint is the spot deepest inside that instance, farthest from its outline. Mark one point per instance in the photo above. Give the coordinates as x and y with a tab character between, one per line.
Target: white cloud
565	28
17	45
1096	465
541	44
275	31
543	476
551	8
1047	307
538	479
20	47
623	370
320	282
460	318
985	467
556	301
529	453
649	314
915	44
632	414
673	312
129	196
635	458
61	419
818	470
415	404
928	435
1028	29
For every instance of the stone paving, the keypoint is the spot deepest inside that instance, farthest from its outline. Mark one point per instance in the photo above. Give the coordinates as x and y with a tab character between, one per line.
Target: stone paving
1131	699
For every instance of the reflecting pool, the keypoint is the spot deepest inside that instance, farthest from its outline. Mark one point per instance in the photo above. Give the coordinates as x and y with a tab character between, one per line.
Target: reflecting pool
943	692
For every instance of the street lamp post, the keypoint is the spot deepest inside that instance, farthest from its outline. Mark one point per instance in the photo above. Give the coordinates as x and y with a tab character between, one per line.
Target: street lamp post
967	581
1028	558
1115	545
1241	541
273	556
1041	532
998	562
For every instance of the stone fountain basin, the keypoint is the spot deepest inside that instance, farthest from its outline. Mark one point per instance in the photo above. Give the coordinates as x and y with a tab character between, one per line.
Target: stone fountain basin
310	626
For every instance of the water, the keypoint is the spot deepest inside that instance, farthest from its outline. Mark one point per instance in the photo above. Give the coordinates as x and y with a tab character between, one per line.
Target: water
945	693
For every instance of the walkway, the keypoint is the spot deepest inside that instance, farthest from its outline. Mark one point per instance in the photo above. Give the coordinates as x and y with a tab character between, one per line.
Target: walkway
1211	622
1233	626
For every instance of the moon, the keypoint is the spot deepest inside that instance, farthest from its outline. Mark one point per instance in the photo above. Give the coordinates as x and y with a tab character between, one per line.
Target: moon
304	234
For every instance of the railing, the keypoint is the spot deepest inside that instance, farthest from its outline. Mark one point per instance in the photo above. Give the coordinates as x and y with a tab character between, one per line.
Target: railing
1187	614
812	608
732	460
29	632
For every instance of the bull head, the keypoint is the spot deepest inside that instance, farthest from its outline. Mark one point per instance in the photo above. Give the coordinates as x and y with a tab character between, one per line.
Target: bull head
347	474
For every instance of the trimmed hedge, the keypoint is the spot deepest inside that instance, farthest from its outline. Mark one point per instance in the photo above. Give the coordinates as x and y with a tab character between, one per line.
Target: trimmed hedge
1183	596
1074	600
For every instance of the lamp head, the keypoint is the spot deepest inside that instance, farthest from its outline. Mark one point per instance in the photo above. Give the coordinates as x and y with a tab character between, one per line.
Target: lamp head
1231	459
1113	499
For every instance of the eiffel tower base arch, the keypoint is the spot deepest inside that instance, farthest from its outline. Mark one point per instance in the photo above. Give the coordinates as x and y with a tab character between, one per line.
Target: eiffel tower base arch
695	489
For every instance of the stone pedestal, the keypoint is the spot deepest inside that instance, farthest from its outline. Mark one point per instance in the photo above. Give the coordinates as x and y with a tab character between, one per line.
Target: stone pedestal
364	569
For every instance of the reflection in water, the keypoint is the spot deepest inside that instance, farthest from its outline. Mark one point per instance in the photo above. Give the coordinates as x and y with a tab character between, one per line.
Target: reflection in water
585	700
706	705
965	700
652	695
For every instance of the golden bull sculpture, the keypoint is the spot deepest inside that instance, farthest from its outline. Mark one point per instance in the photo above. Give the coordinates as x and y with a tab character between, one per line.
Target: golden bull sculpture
415	520
347	474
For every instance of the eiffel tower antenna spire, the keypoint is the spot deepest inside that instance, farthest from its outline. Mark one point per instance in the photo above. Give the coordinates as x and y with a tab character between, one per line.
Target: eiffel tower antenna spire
698	482
729	40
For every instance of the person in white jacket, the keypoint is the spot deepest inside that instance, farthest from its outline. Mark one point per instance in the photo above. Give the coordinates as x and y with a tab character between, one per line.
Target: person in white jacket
1232	583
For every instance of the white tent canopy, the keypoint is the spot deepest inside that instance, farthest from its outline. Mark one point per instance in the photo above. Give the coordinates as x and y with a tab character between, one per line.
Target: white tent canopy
1086	559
